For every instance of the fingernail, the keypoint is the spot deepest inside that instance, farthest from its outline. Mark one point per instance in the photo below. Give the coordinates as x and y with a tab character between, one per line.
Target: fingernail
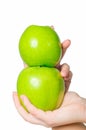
63	73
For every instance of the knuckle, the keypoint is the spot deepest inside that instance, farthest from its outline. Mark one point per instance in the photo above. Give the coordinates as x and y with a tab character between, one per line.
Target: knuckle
65	66
70	73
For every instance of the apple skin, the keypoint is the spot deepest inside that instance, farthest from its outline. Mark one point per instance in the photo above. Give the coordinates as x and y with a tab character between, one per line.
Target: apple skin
40	46
43	86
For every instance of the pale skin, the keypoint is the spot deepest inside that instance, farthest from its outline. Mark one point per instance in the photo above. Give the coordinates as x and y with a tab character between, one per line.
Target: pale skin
71	113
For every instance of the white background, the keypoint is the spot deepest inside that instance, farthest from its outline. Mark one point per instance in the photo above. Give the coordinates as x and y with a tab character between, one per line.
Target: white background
69	20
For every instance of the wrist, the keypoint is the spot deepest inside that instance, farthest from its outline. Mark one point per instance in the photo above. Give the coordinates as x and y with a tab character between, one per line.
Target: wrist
84	110
75	126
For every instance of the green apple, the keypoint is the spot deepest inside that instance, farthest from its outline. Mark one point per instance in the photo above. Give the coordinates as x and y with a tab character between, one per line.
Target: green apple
43	86
40	46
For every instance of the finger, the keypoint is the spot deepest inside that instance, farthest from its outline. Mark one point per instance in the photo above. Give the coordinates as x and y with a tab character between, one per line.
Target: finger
65	68
68	81
26	116
69	77
25	65
38	113
65	45
67	84
16	99
52	27
31	108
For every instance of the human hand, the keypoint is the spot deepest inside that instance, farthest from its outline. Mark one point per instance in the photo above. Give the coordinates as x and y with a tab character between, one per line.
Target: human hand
72	110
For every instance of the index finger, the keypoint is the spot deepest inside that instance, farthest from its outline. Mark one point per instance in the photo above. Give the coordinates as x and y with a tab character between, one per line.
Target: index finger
65	46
